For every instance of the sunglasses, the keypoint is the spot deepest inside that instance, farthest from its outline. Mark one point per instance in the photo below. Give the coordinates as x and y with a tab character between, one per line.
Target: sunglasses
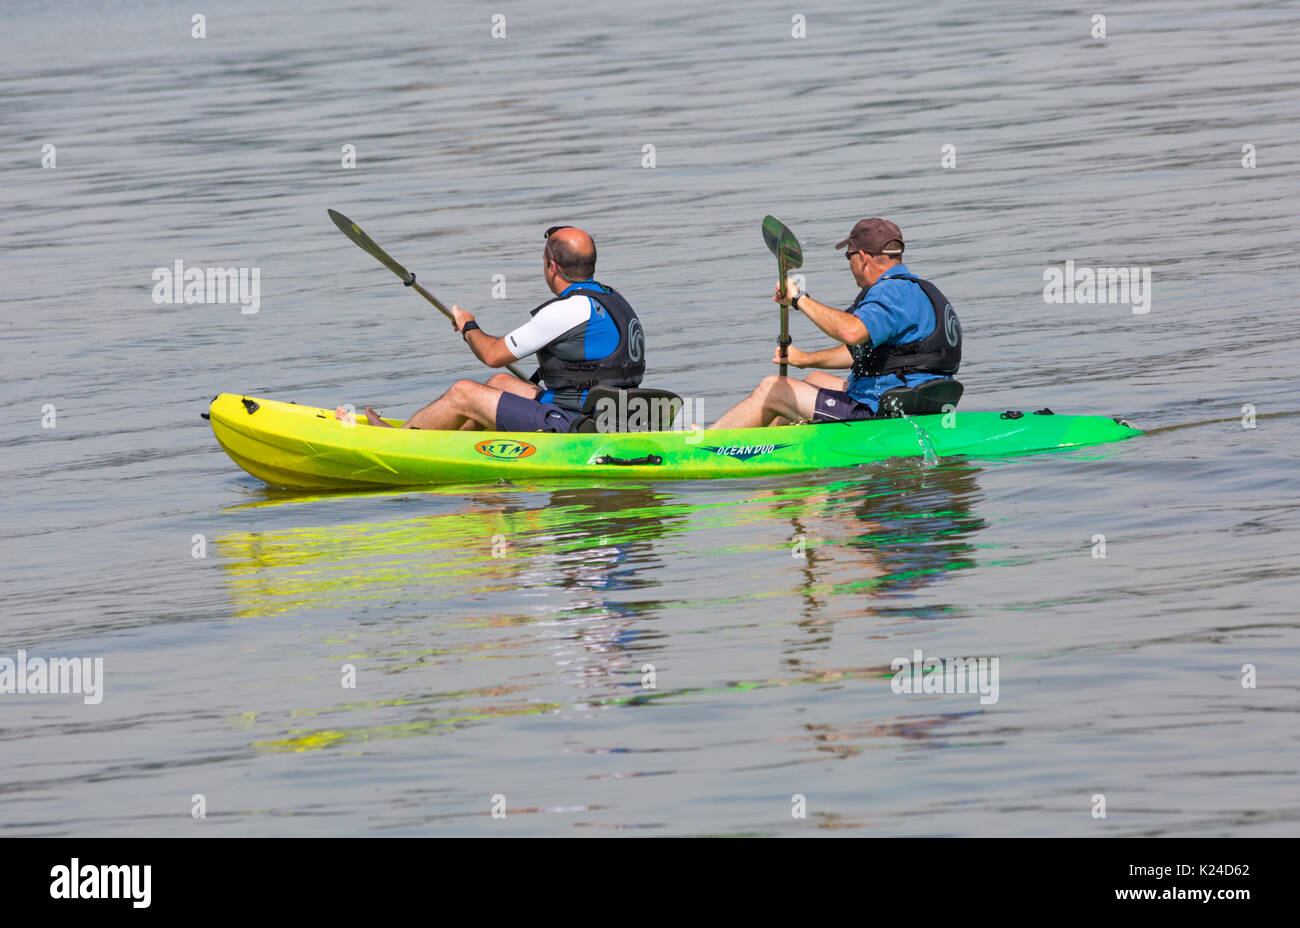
848	255
553	229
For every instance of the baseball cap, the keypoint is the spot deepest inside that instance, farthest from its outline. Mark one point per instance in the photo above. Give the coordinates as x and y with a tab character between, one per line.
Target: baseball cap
875	237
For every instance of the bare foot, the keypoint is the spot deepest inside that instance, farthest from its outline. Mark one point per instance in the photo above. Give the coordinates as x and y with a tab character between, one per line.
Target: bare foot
373	418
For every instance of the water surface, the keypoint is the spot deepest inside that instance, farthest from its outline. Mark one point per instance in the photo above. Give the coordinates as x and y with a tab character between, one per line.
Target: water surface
523	675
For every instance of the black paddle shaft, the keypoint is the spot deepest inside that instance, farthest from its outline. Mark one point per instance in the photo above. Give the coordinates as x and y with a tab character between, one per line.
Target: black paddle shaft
367	244
789	255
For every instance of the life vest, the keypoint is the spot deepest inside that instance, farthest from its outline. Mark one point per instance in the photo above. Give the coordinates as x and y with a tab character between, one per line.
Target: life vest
562	367
937	353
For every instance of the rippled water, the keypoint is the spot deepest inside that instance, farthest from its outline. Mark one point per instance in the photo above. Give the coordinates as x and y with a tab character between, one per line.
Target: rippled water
1119	676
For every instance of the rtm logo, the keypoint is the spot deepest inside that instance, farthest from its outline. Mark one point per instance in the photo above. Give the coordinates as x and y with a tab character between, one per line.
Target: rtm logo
504	449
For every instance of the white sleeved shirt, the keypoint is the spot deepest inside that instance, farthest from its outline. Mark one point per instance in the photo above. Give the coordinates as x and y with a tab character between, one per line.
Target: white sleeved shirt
549	324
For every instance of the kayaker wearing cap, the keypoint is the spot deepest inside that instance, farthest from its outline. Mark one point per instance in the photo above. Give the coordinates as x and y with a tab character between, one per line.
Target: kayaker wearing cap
587	335
900	332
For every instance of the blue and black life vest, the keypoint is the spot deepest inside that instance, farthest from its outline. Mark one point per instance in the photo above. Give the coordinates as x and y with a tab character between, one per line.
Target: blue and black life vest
937	353
561	363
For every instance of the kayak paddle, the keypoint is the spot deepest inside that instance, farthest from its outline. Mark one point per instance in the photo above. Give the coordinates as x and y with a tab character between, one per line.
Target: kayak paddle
367	244
789	256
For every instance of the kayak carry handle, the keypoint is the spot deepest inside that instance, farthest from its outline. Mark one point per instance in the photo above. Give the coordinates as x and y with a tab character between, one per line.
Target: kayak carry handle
629	462
250	405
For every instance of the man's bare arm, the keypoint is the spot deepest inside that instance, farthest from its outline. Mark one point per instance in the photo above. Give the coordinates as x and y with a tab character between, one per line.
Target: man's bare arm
828	359
841	326
835	358
489	349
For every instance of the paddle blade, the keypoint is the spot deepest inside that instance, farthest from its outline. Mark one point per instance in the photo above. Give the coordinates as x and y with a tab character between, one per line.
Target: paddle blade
782	243
772	229
366	243
791	253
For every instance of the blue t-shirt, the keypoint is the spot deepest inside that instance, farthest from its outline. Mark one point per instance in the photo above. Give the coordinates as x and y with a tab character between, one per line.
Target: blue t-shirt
895	312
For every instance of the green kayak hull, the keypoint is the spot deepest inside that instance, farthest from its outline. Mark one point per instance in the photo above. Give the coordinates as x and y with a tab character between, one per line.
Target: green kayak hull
288	445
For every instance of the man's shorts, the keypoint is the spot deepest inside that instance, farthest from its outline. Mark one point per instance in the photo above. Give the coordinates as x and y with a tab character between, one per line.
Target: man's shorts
837	406
520	414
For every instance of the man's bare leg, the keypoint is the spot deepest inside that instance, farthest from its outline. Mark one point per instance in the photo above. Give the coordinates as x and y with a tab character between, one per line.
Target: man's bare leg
506	383
509	383
774	396
822	381
825	381
375	419
465	402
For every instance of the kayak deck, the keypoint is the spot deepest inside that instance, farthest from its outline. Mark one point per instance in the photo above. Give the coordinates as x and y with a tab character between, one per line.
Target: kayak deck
288	445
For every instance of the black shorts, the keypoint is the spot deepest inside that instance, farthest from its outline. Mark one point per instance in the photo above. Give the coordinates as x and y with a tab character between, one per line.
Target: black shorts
838	406
520	414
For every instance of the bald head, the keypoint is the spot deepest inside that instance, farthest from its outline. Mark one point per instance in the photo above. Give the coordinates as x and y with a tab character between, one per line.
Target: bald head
573	252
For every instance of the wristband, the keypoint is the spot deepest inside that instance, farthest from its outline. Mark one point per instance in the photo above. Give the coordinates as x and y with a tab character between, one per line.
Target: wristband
467	328
794	300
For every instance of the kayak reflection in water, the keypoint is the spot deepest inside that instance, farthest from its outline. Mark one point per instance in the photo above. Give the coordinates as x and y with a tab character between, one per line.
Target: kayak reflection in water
587	336
900	333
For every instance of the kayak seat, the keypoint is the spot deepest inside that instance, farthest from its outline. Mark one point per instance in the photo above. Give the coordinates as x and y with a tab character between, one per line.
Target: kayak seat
635	409
928	399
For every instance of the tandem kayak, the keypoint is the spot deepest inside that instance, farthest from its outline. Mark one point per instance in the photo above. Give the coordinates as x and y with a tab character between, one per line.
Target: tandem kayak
288	445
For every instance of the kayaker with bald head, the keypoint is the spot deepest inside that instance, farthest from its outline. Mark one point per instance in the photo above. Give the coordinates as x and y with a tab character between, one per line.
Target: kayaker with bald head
900	341
587	336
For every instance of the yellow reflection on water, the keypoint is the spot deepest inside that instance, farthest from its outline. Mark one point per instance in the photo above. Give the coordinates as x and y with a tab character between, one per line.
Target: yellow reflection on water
580	549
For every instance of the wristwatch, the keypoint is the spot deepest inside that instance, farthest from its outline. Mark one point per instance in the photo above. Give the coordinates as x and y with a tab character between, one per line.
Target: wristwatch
794	300
467	328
